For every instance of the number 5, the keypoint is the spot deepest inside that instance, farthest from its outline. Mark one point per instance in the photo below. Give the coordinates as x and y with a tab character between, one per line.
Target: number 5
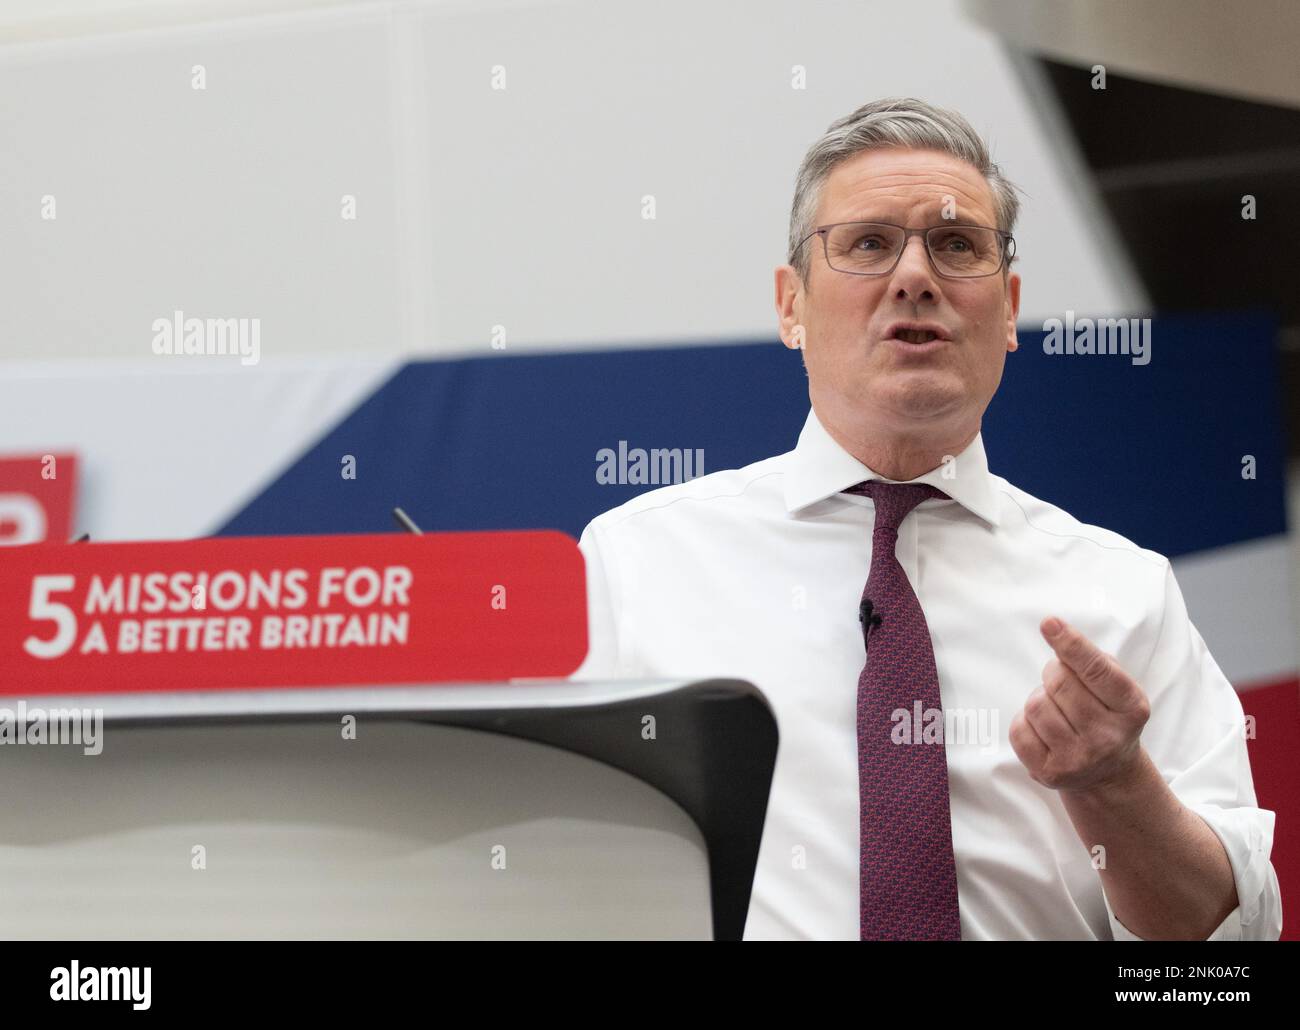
61	615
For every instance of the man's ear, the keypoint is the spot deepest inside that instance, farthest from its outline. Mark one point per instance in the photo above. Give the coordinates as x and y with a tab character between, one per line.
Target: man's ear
1013	310
790	293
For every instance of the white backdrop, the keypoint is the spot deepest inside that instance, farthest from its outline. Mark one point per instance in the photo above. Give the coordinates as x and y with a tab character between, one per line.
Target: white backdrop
476	207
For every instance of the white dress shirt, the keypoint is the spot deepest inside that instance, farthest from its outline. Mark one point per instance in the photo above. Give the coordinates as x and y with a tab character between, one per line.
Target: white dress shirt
756	573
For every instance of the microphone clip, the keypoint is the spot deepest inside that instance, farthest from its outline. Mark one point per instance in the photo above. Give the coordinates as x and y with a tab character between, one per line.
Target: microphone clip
868	616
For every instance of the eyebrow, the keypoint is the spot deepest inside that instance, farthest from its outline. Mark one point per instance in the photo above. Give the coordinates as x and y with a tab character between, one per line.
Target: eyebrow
932	210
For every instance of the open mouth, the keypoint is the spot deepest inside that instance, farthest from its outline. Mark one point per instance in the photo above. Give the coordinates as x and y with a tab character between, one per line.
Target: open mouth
915	335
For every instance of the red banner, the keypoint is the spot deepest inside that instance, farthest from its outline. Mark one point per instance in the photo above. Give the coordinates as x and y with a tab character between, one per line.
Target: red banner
290	611
36	495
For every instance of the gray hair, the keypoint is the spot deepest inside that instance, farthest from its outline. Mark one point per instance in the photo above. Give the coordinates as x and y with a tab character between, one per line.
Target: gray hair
891	122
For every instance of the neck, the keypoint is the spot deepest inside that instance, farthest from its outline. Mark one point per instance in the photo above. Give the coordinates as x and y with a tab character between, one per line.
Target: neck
902	456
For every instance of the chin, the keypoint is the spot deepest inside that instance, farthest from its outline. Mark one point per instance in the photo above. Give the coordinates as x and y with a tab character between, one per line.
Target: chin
918	400
917	387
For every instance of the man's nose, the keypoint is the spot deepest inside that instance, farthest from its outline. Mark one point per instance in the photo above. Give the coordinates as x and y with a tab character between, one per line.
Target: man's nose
914	275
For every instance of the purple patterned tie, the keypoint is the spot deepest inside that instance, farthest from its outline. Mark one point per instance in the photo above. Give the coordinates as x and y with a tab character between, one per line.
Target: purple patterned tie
908	879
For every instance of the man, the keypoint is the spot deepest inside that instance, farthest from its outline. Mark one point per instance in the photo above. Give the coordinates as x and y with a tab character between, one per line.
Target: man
1037	744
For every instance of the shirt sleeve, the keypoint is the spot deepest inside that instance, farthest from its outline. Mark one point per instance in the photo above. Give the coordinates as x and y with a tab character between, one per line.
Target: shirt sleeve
603	609
1197	738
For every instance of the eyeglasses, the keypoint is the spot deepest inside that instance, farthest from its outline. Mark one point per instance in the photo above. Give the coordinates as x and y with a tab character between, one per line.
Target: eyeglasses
875	248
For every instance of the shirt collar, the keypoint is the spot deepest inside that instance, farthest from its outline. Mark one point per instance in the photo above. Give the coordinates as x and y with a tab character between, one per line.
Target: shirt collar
819	468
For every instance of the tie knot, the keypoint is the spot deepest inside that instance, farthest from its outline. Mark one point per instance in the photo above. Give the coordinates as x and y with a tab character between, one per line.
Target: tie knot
893	501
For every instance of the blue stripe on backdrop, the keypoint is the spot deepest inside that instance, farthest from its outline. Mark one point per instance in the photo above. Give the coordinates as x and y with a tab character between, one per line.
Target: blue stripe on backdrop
1153	452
